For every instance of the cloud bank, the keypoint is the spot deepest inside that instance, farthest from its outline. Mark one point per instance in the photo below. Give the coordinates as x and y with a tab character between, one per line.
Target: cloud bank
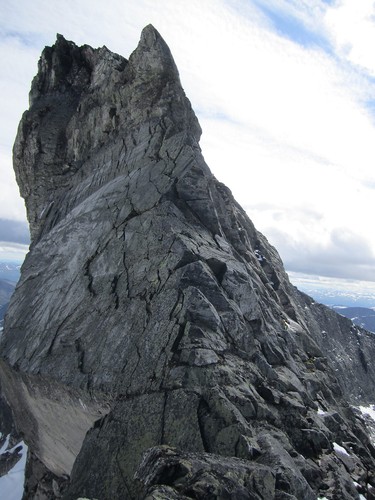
14	231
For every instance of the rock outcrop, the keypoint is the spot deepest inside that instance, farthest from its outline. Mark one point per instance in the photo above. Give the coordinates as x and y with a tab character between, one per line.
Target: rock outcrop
154	347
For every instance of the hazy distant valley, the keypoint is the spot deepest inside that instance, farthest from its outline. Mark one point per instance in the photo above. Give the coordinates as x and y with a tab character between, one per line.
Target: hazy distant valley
9	275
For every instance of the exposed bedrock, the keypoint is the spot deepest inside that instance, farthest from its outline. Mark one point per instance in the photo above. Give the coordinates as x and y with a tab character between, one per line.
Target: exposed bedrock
154	347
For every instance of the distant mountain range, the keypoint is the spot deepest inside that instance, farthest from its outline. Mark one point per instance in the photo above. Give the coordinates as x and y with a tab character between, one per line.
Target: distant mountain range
6	290
10	271
362	316
9	275
359	306
334	297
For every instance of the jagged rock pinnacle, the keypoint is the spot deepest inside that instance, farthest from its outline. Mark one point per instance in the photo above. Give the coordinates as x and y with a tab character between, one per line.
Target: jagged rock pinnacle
154	347
88	96
153	57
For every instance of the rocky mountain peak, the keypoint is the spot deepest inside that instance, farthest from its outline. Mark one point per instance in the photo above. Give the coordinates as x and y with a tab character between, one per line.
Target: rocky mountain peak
86	97
152	60
154	347
60	67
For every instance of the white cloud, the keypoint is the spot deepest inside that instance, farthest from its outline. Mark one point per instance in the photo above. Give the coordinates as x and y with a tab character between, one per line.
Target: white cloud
309	282
13	251
11	204
18	68
352	27
340	253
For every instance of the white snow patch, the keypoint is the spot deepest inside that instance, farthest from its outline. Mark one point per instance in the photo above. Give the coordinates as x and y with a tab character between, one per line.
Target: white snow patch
321	412
340	449
82	404
5	445
293	327
46	209
12	484
368	410
259	256
368	413
361	497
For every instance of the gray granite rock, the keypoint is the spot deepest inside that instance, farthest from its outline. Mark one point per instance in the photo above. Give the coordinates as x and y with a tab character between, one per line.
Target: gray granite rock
154	347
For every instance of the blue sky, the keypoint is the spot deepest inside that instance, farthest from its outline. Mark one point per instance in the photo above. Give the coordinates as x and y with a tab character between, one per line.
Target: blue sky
290	26
284	91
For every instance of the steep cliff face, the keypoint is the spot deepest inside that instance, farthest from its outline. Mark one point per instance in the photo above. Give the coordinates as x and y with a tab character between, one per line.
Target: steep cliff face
154	346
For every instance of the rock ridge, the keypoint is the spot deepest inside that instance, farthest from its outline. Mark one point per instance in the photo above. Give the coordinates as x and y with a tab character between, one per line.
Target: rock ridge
154	347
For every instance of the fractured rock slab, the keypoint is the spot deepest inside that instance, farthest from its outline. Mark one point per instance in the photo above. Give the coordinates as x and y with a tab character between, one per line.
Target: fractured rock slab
153	324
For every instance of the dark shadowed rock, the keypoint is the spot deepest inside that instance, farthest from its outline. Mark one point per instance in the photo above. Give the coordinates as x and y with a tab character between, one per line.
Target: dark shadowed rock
154	347
203	475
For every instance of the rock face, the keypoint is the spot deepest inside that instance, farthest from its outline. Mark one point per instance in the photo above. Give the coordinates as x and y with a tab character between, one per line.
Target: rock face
154	347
